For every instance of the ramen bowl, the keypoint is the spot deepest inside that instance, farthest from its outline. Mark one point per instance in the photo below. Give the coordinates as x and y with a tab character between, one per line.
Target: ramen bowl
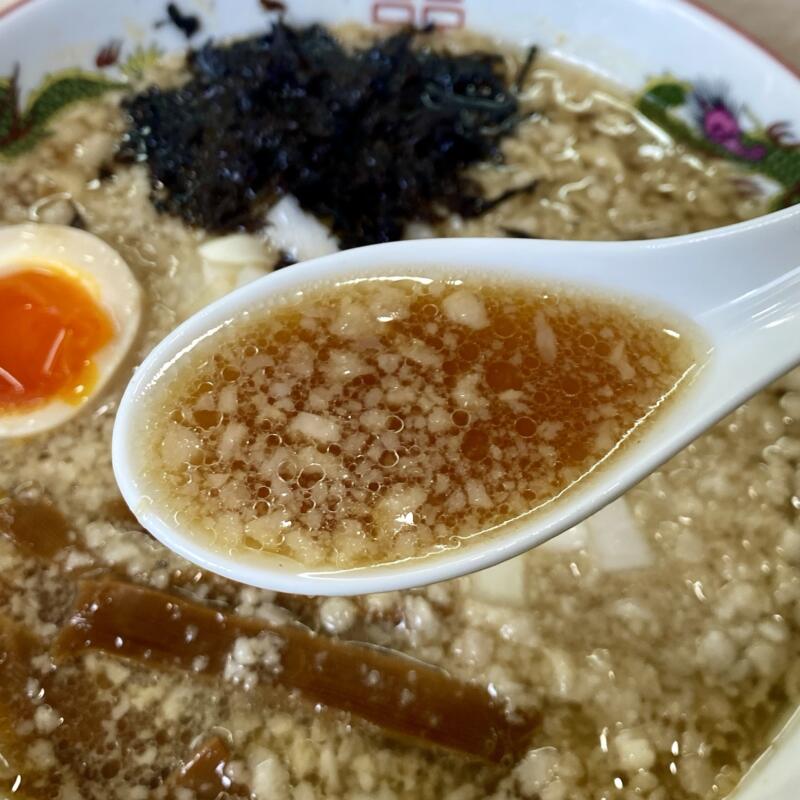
693	78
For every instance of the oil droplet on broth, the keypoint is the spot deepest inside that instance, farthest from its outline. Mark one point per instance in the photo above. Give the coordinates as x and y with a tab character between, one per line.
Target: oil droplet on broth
380	420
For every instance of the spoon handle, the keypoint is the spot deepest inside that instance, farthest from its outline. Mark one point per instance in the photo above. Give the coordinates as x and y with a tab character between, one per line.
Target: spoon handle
756	328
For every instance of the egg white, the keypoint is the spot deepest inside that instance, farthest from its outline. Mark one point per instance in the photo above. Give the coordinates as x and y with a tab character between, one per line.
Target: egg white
101	271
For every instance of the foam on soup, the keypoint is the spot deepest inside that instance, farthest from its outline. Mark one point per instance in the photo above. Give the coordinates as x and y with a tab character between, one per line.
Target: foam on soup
386	418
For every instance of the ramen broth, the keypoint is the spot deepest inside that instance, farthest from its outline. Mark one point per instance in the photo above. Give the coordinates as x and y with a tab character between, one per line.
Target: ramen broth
386	418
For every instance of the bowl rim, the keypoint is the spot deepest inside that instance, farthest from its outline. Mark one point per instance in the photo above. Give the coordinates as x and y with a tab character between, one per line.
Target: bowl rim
695	6
733	27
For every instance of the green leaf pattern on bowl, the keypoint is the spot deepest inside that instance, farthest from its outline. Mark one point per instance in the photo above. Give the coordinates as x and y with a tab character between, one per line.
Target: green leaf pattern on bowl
21	129
702	116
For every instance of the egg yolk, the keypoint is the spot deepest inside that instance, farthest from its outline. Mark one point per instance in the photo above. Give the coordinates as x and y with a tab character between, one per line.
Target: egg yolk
50	327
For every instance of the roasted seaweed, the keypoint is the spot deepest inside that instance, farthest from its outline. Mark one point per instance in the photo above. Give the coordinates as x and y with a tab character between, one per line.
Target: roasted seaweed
368	140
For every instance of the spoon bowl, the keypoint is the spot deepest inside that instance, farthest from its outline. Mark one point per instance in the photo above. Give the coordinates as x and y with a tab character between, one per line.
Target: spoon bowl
739	285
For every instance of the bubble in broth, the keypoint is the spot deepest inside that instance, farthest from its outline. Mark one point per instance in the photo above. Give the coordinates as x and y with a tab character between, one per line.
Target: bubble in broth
384	419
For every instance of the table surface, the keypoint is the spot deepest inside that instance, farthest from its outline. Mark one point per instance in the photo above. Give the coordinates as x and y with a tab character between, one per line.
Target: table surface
776	22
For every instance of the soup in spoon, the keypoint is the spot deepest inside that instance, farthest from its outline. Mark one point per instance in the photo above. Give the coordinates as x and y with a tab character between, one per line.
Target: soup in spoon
391	417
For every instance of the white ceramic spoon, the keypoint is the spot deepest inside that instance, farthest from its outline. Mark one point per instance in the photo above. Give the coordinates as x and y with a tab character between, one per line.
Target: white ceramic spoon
740	285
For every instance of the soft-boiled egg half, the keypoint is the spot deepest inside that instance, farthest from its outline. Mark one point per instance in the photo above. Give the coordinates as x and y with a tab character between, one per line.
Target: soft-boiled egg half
69	311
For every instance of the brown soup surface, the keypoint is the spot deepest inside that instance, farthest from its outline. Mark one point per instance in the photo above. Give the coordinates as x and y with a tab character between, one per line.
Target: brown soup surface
391	417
